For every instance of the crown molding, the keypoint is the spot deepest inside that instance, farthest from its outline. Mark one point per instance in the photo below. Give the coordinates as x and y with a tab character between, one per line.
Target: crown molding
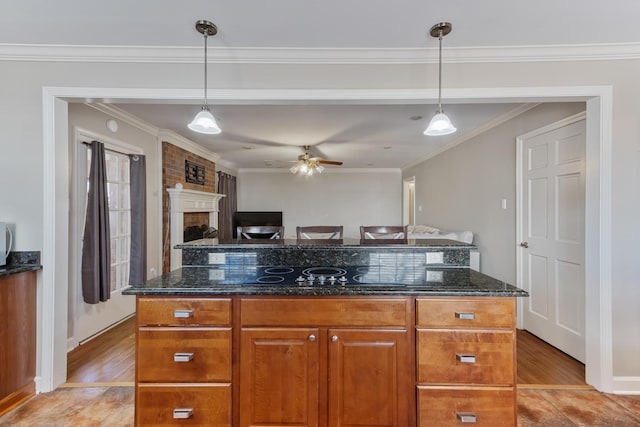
325	172
172	54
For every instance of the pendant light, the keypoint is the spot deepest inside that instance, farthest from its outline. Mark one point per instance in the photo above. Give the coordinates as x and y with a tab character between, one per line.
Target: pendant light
204	122
440	124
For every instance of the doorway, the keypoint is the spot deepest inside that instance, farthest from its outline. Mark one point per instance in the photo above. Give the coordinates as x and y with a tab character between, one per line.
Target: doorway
408	201
598	199
550	230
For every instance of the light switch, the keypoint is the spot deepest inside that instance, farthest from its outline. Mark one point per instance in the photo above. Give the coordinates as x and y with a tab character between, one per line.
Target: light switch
217	258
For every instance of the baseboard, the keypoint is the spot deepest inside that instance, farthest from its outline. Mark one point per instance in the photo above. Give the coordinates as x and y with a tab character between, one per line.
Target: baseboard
626	385
17	397
71	344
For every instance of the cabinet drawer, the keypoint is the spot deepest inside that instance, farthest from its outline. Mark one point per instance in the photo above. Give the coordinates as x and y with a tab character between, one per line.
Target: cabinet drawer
446	407
377	312
465	357
208	405
466	313
183	311
179	354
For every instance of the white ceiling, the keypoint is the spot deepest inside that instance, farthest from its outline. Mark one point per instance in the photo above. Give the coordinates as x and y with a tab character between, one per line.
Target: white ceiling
359	135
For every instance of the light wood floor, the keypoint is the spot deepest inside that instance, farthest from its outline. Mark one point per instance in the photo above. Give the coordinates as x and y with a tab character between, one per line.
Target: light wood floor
100	392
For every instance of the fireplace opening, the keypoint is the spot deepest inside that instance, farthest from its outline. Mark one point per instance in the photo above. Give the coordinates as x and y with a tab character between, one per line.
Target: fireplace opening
196	226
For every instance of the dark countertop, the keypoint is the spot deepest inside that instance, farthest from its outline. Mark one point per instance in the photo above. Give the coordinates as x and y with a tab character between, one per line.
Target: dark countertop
324	243
20	262
198	280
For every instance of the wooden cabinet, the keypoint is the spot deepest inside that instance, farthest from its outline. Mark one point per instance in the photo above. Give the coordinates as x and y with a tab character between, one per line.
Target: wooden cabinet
183	361
466	370
311	369
17	338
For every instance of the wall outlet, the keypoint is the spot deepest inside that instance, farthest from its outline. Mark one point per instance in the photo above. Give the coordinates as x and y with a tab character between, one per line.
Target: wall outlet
216	274
435	257
434	276
217	258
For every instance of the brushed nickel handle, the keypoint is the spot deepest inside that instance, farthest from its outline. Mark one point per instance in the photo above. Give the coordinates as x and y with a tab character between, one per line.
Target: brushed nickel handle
465	316
524	244
312	337
182	413
466	358
182	314
334	338
182	357
467	417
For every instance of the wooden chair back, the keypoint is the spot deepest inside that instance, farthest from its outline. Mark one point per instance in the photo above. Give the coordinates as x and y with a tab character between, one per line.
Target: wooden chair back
319	232
260	232
383	232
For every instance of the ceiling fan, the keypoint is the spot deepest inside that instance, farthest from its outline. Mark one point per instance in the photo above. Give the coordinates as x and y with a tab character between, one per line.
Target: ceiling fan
308	164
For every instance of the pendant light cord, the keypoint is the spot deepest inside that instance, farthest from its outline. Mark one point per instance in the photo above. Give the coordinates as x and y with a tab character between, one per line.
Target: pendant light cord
440	73
206	101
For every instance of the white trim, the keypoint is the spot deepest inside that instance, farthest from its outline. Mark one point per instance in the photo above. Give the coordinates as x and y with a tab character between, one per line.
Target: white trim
125	117
186	144
290	55
599	111
496	121
626	385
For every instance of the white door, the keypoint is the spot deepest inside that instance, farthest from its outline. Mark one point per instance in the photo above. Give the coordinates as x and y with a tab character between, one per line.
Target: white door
90	319
551	234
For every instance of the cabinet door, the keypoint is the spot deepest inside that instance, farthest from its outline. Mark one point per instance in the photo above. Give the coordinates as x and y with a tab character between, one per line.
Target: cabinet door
368	378
279	377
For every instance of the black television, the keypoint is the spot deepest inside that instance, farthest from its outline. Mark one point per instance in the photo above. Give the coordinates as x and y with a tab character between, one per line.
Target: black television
246	218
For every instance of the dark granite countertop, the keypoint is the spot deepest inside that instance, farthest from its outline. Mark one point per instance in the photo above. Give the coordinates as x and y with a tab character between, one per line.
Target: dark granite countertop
20	262
324	243
200	280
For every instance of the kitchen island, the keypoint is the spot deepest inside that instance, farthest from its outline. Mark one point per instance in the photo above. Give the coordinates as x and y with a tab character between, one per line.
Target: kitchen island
325	333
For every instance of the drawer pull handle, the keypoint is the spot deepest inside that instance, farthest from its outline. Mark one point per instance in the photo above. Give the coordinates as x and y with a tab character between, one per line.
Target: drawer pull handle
182	314
182	413
334	338
466	417
465	316
182	357
466	358
312	337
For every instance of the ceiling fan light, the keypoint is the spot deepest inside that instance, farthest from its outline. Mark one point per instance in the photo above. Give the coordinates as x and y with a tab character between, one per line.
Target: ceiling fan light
440	125
294	169
319	168
204	122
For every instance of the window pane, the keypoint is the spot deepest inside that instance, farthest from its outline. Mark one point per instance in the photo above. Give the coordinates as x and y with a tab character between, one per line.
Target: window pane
124	219
112	163
113	279
112	191
124	169
124	196
113	223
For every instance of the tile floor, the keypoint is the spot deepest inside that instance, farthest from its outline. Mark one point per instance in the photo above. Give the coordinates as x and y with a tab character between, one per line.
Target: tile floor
113	407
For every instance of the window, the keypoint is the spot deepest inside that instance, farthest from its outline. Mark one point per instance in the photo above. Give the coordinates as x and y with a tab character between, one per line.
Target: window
118	186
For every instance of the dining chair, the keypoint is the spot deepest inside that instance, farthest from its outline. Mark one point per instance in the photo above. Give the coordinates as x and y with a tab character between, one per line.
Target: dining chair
383	232
272	232
319	232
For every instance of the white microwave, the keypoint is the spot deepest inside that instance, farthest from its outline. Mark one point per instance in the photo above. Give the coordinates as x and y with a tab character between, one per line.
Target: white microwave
6	240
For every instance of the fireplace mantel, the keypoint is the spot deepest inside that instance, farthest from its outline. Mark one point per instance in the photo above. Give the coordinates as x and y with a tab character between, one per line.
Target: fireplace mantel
182	201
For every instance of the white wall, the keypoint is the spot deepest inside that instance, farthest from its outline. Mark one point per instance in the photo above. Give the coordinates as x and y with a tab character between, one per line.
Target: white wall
462	188
94	121
336	197
22	150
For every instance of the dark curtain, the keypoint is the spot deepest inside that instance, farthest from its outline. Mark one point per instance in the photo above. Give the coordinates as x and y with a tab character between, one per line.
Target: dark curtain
96	247
228	205
138	191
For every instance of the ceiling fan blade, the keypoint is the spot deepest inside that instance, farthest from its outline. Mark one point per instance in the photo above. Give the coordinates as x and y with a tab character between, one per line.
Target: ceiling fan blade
329	162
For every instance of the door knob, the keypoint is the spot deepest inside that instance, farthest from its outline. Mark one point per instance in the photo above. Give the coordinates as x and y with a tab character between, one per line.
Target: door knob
524	244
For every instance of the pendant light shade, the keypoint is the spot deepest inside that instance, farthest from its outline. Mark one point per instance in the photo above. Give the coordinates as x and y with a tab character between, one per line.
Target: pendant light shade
204	122
440	124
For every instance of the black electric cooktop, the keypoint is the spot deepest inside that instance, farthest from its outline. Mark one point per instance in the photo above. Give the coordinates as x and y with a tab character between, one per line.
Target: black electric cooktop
322	276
